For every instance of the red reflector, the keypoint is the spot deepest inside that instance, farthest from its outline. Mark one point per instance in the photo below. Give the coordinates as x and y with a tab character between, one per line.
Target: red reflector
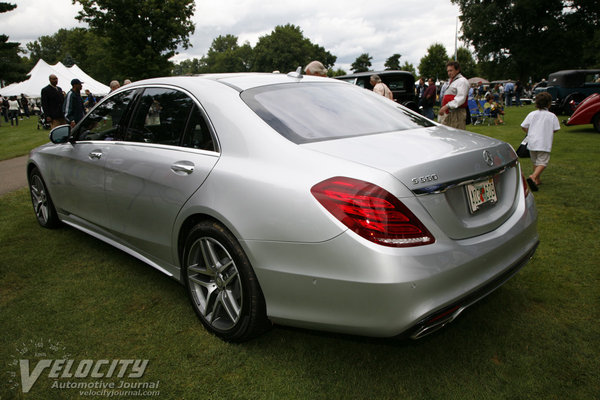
525	185
371	212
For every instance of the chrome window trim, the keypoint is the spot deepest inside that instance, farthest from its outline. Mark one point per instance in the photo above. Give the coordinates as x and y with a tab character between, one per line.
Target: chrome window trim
143	87
152	145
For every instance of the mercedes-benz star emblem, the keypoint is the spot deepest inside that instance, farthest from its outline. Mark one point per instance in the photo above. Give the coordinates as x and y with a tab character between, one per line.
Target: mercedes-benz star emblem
489	159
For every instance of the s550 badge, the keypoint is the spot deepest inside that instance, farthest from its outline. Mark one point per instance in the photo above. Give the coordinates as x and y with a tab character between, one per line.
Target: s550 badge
425	179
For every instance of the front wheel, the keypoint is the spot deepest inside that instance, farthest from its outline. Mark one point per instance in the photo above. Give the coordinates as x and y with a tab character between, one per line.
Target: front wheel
42	203
571	103
221	284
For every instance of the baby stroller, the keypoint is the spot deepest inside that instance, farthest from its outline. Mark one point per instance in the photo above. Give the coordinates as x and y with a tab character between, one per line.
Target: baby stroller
42	121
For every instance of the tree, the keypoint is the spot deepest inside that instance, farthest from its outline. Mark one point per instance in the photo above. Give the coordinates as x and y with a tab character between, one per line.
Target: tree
523	38
5	7
77	46
142	35
225	55
362	63
393	62
338	72
410	68
188	67
468	66
285	49
433	64
12	68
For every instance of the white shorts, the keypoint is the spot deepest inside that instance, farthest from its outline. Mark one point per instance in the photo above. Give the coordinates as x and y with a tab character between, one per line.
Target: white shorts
540	157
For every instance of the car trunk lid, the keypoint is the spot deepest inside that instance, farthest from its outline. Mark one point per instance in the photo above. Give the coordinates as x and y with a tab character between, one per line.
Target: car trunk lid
449	171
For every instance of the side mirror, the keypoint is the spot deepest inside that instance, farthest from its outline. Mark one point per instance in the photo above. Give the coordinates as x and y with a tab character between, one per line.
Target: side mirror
60	134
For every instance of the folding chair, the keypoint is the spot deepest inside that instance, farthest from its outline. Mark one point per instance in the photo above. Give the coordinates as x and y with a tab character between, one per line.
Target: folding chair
476	115
487	115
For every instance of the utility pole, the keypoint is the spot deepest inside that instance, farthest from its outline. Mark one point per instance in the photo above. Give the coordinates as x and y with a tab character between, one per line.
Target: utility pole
456	41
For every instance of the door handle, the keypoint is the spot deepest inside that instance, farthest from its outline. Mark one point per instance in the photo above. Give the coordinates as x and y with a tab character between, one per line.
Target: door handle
95	155
183	167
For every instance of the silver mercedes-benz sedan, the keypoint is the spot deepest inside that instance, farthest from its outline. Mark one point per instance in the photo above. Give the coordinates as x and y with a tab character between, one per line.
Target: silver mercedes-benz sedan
290	199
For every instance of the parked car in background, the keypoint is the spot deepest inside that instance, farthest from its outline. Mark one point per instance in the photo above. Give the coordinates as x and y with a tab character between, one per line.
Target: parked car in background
292	199
569	87
401	83
588	112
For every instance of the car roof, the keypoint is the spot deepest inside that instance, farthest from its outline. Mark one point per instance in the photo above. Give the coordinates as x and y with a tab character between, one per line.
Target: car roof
576	71
570	78
239	81
380	73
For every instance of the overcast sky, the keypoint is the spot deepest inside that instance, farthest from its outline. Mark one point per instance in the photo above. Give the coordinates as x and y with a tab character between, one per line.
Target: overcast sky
345	28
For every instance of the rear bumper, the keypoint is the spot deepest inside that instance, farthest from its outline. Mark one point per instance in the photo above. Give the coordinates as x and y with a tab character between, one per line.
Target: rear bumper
441	318
349	285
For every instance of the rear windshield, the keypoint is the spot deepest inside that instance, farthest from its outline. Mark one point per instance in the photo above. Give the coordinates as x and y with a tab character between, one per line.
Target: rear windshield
308	112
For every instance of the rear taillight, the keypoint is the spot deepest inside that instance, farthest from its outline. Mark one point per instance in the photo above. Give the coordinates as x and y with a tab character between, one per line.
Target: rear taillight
371	212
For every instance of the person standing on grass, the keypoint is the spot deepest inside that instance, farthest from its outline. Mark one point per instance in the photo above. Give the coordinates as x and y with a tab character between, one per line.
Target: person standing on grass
25	105
429	97
380	88
2	109
13	110
52	103
540	126
73	106
454	101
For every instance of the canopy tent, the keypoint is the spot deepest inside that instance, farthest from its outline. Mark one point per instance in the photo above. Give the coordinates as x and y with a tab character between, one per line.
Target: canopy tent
476	80
38	79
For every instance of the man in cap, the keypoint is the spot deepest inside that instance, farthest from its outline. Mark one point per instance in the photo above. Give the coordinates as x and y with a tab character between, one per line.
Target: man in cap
73	107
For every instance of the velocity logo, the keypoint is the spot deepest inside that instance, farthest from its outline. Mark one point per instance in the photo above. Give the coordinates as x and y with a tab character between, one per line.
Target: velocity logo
66	369
104	377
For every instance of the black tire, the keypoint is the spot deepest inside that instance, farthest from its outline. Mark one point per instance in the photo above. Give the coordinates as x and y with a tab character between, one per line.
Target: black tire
42	203
596	122
221	284
411	105
576	97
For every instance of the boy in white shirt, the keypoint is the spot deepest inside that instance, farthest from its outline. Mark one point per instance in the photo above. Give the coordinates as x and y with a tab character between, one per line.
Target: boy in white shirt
540	126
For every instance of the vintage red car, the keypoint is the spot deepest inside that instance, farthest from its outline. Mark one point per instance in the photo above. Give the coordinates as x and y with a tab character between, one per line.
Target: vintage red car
587	112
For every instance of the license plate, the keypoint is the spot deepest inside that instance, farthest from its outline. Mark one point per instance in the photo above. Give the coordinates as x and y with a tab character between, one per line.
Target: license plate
481	193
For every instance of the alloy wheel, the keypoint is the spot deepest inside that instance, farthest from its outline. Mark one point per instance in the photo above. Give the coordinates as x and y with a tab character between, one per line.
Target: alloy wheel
215	283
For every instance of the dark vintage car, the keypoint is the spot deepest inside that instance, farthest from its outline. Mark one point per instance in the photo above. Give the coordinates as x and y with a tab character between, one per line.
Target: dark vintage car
588	112
569	87
401	83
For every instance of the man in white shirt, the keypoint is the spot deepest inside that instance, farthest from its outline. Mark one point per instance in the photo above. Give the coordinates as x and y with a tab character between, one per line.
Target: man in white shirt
454	102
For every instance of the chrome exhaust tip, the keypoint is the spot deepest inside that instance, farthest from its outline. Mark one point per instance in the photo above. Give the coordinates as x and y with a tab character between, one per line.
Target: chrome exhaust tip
437	322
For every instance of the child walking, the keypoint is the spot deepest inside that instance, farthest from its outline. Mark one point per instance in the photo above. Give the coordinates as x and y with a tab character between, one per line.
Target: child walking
540	126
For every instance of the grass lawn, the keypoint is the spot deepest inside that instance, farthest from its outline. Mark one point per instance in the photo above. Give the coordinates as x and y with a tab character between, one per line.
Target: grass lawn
17	141
66	295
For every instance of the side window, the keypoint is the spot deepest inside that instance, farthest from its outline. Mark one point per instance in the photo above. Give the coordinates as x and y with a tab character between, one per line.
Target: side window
397	84
590	79
197	135
364	83
104	123
160	117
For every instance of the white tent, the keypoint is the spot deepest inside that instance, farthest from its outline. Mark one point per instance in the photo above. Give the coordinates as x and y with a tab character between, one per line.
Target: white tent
38	79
